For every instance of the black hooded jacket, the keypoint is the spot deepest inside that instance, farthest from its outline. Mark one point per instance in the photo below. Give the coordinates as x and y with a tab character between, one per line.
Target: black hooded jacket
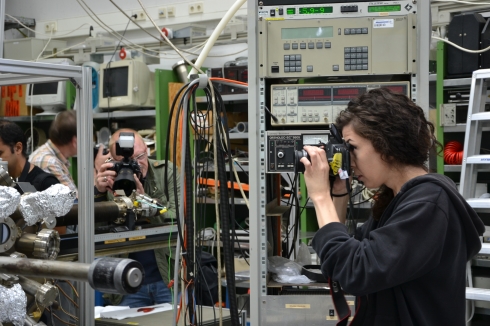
411	264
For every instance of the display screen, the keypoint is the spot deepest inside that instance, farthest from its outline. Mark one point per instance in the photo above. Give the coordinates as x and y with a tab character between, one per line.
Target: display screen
306	32
397	89
347	93
315	10
290	11
314	94
386	8
115	82
45	88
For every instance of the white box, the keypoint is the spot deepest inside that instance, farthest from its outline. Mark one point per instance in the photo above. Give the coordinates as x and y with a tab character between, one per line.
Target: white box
29	48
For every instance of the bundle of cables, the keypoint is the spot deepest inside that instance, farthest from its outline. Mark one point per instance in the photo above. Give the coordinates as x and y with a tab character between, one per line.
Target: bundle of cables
453	153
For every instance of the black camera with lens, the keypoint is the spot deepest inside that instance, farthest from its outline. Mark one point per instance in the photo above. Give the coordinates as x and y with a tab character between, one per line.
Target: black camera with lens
128	167
337	151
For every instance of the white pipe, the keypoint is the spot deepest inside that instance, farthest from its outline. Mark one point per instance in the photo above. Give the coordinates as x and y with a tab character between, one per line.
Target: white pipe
214	36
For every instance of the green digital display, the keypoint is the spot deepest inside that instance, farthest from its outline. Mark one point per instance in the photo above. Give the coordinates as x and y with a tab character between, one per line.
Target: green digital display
387	8
291	11
315	10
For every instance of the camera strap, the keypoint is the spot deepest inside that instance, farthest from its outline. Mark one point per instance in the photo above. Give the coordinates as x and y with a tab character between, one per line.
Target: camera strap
342	308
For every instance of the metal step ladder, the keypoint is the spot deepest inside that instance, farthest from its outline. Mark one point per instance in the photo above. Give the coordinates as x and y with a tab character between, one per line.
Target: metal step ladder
473	161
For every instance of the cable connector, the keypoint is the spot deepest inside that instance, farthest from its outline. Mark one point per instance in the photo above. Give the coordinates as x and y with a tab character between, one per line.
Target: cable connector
203	80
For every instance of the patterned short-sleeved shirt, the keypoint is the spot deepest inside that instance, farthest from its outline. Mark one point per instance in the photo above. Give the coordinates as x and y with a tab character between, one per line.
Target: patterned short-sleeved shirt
50	159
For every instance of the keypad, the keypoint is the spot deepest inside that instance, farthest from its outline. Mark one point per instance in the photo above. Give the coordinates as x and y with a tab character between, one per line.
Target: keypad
292	63
356	57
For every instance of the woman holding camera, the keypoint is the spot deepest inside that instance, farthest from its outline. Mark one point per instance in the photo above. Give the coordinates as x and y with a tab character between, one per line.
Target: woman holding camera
409	259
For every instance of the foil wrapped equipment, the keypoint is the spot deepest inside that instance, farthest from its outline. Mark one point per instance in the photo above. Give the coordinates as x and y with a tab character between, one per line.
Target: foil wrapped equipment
55	201
9	200
13	303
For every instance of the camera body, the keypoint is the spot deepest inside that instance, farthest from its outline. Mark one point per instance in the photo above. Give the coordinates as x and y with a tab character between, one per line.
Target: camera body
337	152
126	168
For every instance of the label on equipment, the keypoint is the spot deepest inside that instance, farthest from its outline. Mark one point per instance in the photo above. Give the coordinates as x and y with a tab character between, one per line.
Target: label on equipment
383	23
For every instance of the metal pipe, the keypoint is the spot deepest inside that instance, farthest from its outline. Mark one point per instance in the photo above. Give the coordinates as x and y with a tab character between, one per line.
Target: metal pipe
103	212
110	275
44	268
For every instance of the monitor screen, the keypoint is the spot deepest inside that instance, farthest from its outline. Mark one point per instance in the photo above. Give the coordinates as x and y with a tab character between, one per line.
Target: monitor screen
115	82
45	88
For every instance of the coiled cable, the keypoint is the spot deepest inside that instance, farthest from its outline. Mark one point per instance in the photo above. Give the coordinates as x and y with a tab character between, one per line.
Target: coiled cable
453	152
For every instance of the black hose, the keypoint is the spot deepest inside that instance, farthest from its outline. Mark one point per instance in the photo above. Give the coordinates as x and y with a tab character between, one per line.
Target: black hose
225	226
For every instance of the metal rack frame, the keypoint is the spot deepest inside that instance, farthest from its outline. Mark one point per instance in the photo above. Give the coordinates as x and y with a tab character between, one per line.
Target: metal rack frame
256	120
22	72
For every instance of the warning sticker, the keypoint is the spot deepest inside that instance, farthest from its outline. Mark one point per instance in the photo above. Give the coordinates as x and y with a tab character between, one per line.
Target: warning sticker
383	23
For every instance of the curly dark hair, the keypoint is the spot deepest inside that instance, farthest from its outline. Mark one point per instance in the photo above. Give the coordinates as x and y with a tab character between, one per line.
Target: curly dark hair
397	129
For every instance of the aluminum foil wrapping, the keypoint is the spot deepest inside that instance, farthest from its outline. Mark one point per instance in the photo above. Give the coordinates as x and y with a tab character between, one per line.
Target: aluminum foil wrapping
9	200
55	201
13	302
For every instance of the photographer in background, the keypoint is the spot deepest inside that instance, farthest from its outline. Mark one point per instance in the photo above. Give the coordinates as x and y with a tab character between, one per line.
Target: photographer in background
409	259
152	184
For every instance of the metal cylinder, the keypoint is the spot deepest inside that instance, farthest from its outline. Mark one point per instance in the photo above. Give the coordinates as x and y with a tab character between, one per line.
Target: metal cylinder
103	212
110	275
5	179
45	244
45	294
181	70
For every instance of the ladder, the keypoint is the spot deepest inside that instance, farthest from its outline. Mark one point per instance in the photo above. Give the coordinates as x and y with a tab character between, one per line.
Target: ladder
473	161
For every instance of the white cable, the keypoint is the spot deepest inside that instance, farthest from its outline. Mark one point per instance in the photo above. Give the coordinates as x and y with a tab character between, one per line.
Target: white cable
217	31
461	48
239	183
108	29
45	46
39	33
61	51
466	2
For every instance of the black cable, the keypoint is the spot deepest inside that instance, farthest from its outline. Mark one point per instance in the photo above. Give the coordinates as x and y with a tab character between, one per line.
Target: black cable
225	220
108	83
189	223
296	221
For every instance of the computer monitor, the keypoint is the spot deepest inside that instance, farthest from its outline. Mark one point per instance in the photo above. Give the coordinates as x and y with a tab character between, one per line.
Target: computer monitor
126	84
50	96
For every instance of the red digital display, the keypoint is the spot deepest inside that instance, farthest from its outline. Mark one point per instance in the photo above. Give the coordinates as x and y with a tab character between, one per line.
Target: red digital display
396	89
348	91
313	92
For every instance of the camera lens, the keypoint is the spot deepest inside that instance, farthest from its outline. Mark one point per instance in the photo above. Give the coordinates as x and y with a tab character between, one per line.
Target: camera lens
298	155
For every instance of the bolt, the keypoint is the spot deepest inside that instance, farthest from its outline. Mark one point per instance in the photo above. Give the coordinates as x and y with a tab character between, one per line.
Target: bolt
414	2
261	3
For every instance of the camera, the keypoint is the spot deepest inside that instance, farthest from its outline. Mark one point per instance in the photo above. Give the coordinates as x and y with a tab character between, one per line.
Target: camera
126	168
337	151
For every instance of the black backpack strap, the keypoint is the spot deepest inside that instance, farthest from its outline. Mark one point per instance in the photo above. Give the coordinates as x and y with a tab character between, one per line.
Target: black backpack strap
341	306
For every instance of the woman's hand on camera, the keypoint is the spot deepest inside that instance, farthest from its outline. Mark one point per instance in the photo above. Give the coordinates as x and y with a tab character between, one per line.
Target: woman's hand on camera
316	173
105	177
